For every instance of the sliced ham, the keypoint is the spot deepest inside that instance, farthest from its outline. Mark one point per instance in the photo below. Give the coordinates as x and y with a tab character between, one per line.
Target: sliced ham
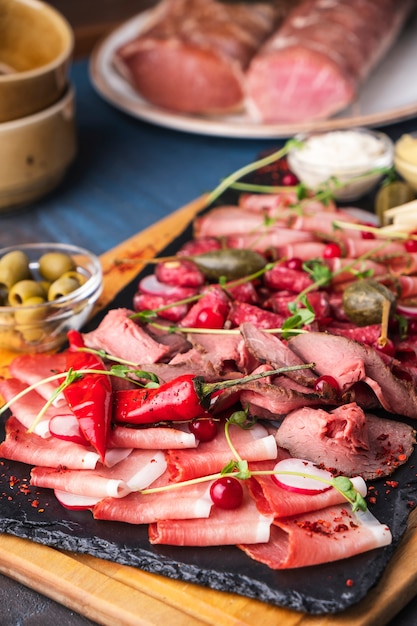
157	438
270	349
35	368
224	221
137	471
348	440
350	362
318	537
210	457
313	66
27	408
119	335
192	55
223	352
268	241
219	529
272	498
19	445
185	502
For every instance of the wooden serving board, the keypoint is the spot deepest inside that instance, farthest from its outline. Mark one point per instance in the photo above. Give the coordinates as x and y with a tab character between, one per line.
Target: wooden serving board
109	593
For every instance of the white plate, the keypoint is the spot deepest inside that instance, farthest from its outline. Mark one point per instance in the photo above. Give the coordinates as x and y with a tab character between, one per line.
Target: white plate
389	95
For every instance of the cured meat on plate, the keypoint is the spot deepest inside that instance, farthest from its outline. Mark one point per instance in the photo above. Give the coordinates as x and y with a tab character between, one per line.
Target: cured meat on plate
192	56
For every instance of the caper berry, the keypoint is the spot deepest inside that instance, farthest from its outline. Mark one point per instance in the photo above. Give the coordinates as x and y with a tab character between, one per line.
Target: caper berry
230	263
24	290
363	301
53	264
63	286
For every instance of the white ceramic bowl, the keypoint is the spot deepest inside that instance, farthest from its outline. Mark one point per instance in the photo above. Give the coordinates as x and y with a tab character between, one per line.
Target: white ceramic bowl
349	157
405	159
43	327
35	152
36	45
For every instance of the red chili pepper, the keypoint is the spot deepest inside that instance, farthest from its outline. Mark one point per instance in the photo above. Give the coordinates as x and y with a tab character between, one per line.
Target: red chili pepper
180	399
90	397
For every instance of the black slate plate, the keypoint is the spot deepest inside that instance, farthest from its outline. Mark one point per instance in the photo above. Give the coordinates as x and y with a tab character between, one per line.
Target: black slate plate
36	515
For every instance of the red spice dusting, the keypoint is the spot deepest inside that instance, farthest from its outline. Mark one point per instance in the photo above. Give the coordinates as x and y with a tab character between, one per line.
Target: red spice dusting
35	504
402	457
392	483
349	582
372	500
340	528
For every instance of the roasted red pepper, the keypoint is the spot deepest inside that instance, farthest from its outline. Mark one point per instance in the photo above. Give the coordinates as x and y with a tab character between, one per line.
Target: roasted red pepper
89	397
180	399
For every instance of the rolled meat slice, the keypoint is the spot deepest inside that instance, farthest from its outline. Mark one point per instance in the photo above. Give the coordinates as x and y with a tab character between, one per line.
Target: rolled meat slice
192	55
318	537
314	64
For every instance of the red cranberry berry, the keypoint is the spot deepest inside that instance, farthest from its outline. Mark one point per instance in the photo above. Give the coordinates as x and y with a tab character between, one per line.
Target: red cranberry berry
323	381
289	180
332	251
365	234
226	493
208	318
410	245
203	428
294	264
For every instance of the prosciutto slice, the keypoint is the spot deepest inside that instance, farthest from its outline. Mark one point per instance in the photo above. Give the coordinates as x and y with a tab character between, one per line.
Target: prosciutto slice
270	497
320	537
254	444
27	408
20	445
35	368
219	529
185	502
314	64
137	471
161	438
192	55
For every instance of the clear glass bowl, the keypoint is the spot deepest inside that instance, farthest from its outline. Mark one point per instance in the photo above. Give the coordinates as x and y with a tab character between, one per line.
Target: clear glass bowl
349	156
45	325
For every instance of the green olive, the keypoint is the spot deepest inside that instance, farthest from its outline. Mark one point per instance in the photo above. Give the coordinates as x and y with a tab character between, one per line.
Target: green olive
24	290
30	313
53	264
80	278
363	301
14	266
62	287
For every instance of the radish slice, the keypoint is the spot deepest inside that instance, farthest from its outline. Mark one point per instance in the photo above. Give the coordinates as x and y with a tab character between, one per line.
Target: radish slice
74	501
152	286
406	310
301	484
66	427
115	455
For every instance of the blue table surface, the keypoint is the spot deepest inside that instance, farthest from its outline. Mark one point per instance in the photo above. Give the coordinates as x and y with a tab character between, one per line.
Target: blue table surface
127	175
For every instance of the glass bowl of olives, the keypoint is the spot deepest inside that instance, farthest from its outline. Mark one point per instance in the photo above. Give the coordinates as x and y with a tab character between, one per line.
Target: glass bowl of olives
46	289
